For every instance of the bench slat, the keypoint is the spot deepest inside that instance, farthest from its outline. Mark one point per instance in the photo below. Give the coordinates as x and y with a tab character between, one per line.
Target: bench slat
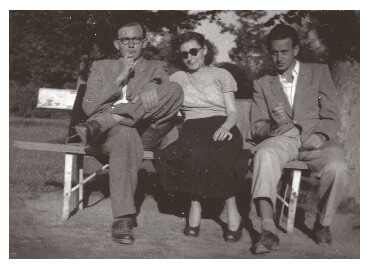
296	165
66	148
79	149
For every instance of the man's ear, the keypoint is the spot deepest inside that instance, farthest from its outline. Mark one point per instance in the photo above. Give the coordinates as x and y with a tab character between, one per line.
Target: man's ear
116	44
145	43
296	50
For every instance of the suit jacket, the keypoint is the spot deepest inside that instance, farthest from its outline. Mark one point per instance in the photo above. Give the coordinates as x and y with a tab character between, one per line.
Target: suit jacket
314	107
101	89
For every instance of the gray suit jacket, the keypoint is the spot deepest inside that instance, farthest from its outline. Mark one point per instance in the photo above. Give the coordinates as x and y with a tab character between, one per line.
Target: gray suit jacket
101	89
314	110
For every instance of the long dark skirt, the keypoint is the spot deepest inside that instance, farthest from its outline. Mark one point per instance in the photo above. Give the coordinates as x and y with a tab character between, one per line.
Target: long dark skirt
198	165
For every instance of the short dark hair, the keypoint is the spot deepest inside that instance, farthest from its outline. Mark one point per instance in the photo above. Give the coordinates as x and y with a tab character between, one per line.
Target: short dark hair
283	31
185	37
132	23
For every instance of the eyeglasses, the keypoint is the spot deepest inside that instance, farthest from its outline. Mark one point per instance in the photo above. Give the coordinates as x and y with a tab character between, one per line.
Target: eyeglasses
192	52
126	41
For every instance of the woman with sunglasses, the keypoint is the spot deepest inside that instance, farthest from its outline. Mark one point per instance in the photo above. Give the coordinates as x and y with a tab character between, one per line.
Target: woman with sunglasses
201	162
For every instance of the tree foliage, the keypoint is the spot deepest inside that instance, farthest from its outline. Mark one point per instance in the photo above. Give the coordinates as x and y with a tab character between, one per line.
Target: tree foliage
52	48
326	37
46	46
337	30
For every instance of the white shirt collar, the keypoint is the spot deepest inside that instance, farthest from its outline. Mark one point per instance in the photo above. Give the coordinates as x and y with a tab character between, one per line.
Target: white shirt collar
295	72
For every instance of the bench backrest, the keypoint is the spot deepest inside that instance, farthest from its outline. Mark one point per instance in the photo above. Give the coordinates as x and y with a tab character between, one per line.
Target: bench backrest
56	98
69	99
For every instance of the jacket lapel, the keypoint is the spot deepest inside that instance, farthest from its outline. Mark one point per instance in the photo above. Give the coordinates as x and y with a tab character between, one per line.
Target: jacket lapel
302	85
278	91
137	76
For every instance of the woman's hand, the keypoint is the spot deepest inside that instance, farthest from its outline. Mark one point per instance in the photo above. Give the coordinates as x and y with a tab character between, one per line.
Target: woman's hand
222	133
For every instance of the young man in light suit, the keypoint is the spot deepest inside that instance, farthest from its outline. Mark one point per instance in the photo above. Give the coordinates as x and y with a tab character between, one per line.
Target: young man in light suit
130	103
294	116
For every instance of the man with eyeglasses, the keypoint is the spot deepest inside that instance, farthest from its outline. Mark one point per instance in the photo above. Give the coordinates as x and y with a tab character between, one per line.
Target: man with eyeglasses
131	105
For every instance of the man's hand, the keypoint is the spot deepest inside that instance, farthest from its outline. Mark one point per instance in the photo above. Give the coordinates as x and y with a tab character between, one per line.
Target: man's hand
222	133
279	115
314	141
149	97
126	64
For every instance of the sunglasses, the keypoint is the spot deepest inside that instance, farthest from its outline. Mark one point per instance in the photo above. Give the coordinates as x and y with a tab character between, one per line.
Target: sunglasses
192	52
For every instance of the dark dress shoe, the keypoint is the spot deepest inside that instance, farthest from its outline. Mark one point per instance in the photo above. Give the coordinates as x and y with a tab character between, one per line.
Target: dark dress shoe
122	231
266	243
322	235
233	236
191	231
88	131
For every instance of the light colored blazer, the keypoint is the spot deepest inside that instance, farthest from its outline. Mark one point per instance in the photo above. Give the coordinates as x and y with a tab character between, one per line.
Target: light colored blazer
314	107
101	89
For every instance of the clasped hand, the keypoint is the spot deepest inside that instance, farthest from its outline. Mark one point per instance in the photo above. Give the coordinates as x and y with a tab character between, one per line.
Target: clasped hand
126	64
222	133
279	115
148	97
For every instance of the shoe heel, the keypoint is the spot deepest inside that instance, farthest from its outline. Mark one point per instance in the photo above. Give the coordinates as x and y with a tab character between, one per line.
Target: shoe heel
191	231
233	236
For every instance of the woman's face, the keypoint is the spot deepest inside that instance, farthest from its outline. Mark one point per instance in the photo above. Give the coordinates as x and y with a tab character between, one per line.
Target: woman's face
192	55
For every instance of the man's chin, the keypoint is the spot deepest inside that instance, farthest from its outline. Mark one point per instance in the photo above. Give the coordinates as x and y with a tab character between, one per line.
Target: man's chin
281	69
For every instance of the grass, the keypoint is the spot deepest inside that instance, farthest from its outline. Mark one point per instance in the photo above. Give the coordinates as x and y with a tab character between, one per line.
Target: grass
31	172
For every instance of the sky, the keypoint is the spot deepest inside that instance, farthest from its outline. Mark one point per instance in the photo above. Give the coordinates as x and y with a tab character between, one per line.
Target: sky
226	41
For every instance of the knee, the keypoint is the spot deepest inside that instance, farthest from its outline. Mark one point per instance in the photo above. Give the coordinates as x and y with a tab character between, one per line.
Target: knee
172	89
336	171
265	153
336	167
120	137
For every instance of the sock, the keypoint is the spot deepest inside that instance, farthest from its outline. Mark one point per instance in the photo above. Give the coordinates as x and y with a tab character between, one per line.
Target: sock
269	225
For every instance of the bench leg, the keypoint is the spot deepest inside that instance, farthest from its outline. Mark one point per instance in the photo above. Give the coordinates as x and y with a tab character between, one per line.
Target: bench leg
296	180
80	172
284	204
67	185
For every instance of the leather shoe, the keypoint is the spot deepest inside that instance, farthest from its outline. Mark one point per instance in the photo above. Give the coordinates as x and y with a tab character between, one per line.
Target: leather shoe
322	235
122	231
191	231
88	131
233	236
266	243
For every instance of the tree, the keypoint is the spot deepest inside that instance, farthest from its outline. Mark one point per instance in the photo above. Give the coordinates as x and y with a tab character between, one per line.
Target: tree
326	37
338	31
54	48
46	46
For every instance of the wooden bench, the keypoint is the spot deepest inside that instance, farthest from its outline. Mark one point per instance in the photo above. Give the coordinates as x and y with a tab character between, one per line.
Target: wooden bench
71	100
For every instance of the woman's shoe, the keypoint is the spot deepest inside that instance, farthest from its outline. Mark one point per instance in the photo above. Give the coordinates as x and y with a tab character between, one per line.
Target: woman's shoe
233	237
191	231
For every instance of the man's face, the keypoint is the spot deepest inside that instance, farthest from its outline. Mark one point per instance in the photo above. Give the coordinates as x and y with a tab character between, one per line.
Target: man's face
283	54
130	41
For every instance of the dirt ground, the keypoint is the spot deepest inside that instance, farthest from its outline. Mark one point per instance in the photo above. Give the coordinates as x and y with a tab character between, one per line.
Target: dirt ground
36	232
